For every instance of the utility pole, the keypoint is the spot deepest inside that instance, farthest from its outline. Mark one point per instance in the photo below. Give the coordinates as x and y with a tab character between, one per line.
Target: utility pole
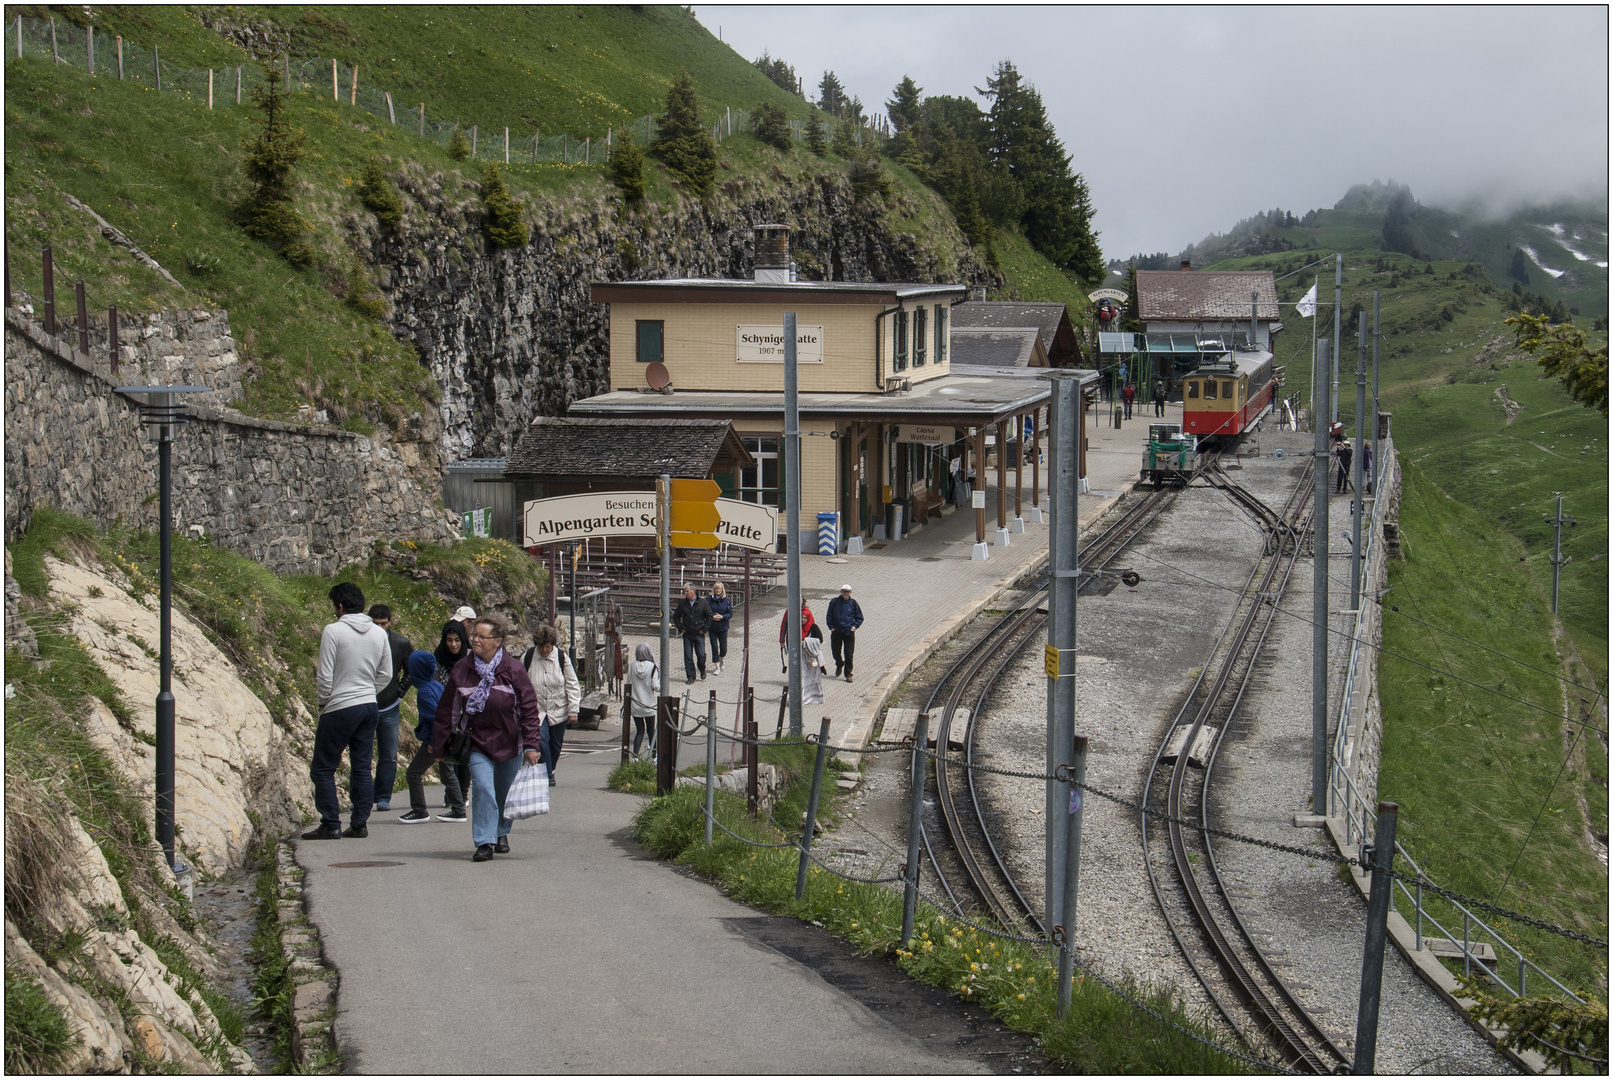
1338	302
1064	423
1557	560
1319	606
1358	498
1377	461
792	522
1315	319
663	539
1381	856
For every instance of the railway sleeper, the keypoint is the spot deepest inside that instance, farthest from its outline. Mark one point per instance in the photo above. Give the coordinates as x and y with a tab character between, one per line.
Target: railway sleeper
1198	753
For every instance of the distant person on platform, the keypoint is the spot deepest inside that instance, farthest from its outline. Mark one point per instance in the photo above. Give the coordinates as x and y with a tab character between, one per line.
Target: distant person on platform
1128	394
355	664
644	682
554	681
390	703
692	617
1366	464
492	698
1346	455
809	628
1159	397
722	613
844	617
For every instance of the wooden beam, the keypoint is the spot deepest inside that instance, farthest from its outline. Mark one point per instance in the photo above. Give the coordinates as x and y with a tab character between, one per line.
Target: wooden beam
1002	474
980	478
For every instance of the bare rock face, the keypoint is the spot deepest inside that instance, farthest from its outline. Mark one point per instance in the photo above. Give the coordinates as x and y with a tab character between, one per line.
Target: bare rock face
230	755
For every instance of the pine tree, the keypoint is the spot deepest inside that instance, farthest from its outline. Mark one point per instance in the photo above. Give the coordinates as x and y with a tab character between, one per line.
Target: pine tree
1520	267
1132	322
268	214
904	108
845	141
782	74
627	166
771	124
458	146
831	95
501	215
814	136
376	193
683	142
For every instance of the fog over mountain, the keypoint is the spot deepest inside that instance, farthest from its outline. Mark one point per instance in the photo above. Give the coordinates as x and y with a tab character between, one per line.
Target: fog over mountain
1186	119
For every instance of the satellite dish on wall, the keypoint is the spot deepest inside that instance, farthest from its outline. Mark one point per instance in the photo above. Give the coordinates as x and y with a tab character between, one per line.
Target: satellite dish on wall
658	378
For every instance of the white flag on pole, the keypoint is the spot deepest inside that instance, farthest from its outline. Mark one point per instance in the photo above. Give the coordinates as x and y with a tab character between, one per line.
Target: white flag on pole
1307	304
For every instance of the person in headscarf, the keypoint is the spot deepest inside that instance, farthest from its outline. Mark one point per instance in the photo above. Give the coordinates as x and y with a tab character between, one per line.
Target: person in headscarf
454	647
422	668
644	681
490	696
812	668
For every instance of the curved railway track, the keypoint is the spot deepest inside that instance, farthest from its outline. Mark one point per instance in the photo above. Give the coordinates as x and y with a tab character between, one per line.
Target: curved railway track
971	679
1191	893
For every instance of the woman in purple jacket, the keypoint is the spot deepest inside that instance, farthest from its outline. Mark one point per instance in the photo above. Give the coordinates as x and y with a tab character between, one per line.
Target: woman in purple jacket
492	697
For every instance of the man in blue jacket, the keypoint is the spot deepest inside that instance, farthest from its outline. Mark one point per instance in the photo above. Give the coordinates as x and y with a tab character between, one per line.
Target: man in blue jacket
844	617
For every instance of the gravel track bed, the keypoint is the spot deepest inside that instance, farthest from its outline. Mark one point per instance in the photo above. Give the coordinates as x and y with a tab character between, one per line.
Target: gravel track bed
1140	650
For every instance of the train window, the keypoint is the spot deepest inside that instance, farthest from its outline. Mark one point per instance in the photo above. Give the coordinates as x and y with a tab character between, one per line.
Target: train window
1209	388
1226	390
1192	388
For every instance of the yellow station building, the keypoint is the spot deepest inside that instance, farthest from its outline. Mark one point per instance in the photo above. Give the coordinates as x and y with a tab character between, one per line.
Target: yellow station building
890	432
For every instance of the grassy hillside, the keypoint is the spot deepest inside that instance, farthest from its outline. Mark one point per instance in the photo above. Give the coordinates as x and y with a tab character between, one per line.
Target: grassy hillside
1030	276
167	170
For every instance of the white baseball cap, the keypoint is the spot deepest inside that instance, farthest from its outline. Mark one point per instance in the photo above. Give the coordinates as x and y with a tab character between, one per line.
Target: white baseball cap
845	588
465	612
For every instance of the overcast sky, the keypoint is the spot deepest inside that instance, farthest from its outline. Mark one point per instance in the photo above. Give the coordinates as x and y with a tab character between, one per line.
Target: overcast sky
1186	119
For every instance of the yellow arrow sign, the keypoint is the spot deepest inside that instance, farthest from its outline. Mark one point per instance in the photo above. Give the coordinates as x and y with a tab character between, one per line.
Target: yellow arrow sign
694	508
695	540
696	491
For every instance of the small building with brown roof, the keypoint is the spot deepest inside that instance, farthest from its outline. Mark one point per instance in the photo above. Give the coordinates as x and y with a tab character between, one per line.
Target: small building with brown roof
1041	334
1212	303
570	455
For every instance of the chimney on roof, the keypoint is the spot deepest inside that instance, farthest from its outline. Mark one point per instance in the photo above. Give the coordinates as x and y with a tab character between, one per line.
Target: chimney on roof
1187	264
772	253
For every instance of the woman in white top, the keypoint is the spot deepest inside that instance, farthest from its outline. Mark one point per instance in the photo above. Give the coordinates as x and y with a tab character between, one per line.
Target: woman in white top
644	681
811	671
559	694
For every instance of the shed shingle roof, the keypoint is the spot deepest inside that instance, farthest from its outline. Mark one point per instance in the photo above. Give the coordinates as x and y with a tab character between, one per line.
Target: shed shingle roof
626	448
1204	294
1003	314
1004	347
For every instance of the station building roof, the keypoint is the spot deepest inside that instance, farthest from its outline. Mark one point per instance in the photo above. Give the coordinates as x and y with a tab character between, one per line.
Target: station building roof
740	290
1204	294
573	448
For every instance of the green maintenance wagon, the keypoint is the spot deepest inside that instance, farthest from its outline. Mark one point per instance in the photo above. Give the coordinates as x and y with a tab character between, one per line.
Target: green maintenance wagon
1170	457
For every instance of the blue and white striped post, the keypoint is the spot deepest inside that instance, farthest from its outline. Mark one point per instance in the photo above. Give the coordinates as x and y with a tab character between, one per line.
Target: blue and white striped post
828	532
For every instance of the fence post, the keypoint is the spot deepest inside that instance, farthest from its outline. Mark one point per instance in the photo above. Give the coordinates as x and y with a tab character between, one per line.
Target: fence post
238	84
89	47
783	704
565	153
915	825
352	94
335	94
288	74
1072	873
753	755
112	335
50	292
422	119
156	67
19	41
8	272
506	146
711	763
391	116
1383	858
83	319
812	810
120	57
587	151
53	53
666	744
209	89
473	142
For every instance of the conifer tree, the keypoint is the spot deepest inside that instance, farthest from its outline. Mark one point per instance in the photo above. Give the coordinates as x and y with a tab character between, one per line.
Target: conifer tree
904	107
627	167
458	146
771	124
831	95
845	141
267	213
814	136
782	74
376	193
501	215
683	142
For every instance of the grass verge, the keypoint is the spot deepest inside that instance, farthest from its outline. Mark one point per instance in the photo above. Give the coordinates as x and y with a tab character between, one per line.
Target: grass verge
1015	981
37	1032
1494	787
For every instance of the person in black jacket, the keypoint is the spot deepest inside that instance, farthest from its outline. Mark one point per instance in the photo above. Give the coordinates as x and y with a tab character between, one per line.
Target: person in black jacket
844	617
389	701
692	617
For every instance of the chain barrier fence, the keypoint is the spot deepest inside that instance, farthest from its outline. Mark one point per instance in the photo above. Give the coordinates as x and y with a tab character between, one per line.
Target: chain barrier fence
96	52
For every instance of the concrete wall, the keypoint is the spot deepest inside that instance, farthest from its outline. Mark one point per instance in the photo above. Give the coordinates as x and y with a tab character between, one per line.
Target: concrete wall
296	498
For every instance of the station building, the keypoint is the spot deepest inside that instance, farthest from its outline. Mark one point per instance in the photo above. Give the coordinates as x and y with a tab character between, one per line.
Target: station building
890	429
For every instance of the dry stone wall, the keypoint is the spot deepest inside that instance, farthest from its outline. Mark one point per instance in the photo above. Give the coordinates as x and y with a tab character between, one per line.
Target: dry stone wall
296	498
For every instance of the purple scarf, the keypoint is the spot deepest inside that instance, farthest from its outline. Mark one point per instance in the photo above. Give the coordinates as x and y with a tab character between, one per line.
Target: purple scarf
486	669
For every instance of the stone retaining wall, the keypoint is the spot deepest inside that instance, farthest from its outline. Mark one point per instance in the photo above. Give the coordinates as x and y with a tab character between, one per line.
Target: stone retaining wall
296	498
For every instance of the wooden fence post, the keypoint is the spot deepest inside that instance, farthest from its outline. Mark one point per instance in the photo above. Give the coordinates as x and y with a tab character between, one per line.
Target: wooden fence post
335	94
89	46
390	115
120	51
54	55
209	89
352	97
156	67
506	146
422	119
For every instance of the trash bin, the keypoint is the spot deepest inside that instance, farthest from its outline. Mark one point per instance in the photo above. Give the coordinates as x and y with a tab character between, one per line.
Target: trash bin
828	532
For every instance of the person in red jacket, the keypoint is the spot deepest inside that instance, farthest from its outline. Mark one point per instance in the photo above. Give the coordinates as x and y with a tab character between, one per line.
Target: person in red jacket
493	699
809	628
1128	395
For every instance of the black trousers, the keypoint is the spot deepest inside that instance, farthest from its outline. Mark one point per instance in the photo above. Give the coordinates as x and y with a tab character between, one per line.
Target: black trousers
419	765
842	646
351	729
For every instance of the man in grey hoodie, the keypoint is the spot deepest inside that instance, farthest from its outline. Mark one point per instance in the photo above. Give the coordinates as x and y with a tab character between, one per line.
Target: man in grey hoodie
355	664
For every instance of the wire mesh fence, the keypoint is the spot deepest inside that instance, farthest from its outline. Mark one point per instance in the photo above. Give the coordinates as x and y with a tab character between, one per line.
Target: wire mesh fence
96	52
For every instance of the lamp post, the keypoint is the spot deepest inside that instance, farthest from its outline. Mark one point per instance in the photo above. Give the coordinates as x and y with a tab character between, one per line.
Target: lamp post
162	410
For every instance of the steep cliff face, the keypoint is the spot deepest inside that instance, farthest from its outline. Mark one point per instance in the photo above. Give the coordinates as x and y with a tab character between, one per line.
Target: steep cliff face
511	334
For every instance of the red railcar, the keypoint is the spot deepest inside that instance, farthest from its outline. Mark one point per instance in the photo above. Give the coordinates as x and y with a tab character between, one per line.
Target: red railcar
1226	394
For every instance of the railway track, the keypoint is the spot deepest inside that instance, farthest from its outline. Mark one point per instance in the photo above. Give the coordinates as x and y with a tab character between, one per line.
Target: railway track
1187	883
966	685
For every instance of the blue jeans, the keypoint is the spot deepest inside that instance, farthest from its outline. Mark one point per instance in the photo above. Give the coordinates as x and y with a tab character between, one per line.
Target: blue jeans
694	645
719	641
386	754
351	729
554	738
490	778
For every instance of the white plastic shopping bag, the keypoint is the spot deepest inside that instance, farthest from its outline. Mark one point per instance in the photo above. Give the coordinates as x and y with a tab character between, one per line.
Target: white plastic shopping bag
529	793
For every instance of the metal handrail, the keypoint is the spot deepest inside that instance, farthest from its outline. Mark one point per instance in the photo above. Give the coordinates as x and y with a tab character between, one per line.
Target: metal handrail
1360	820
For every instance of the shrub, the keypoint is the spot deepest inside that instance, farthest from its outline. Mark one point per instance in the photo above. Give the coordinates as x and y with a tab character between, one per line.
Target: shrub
501	215
868	177
627	167
37	1034
362	295
375	192
772	125
458	146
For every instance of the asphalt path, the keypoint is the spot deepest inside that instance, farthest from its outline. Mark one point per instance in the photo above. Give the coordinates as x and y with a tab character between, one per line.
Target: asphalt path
580	953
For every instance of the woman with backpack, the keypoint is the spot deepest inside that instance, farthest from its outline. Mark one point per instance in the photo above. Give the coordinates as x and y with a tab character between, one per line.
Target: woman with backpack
644	682
554	680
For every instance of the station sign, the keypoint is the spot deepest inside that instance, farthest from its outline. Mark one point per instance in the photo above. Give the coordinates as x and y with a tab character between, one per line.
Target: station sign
765	344
634	513
930	434
1119	296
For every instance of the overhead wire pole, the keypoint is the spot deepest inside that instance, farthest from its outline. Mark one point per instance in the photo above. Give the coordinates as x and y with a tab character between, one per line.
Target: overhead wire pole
792	523
1319	607
1338	302
663	498
1064	421
1358	462
1557	560
1377	468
